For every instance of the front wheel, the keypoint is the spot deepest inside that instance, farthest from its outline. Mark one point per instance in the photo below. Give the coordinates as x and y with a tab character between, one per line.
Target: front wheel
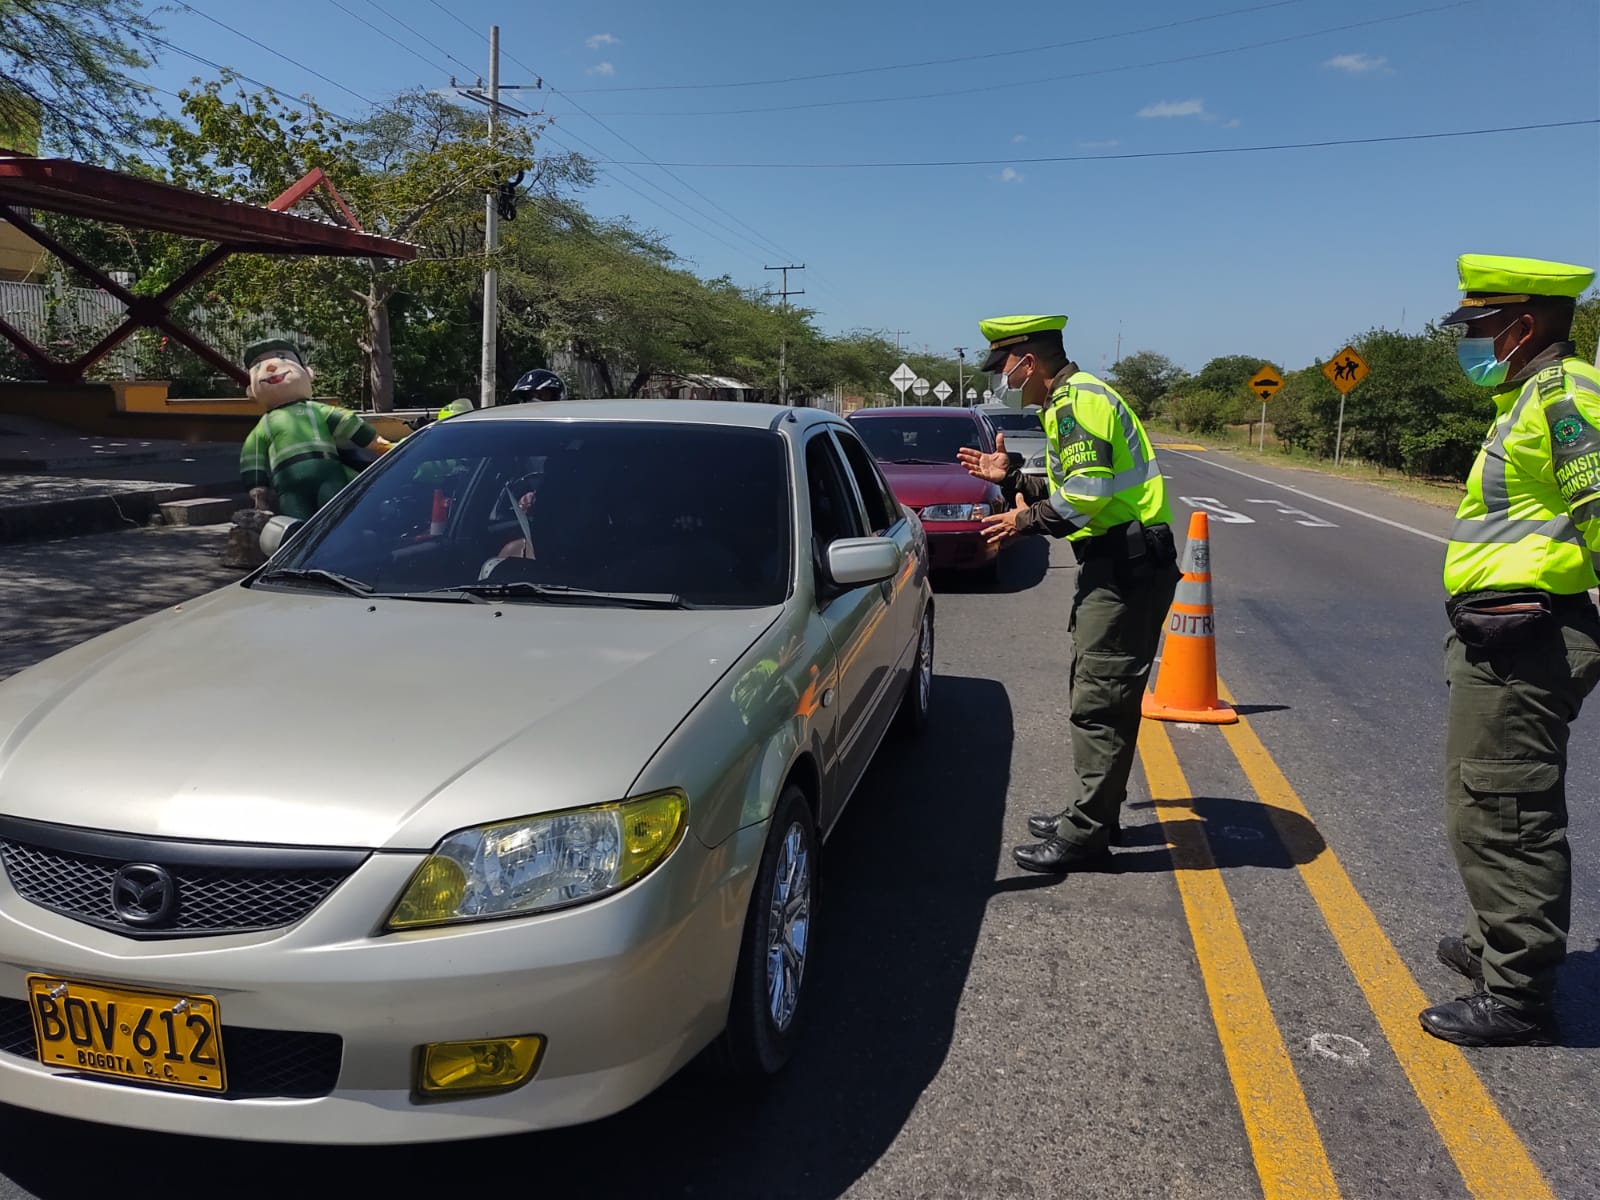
768	989
918	700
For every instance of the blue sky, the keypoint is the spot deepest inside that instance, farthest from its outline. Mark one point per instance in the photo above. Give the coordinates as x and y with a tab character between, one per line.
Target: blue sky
1282	254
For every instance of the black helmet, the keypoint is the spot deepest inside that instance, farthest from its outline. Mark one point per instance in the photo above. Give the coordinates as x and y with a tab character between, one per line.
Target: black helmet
538	385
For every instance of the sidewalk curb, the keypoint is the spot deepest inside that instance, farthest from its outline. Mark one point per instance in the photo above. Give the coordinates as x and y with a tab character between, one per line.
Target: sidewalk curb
103	513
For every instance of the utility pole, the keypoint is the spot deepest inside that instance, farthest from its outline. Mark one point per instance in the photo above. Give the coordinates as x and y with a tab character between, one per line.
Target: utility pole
491	220
961	372
783	346
898	334
1119	344
491	242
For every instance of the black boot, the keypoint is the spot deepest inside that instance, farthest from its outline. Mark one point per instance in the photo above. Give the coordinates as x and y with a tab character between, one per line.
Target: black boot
1454	954
1483	1019
1055	856
1043	826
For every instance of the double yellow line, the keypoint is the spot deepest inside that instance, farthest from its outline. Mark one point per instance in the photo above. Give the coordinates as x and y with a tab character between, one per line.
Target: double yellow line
1290	1158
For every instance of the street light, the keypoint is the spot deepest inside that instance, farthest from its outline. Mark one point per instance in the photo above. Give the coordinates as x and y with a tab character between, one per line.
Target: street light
961	365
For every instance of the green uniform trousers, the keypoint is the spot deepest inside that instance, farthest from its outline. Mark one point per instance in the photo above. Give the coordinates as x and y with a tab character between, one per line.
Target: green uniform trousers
304	487
1116	628
1506	797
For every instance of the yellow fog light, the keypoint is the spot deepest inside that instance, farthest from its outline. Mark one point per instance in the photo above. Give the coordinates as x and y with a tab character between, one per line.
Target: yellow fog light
491	1065
434	895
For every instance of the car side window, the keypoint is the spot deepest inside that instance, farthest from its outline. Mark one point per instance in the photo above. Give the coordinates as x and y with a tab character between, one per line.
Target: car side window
834	512
883	510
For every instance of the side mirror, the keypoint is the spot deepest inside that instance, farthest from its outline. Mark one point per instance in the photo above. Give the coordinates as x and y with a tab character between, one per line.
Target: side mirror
856	561
275	532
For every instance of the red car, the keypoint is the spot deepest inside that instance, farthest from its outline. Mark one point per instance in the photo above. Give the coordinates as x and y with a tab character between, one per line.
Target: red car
917	449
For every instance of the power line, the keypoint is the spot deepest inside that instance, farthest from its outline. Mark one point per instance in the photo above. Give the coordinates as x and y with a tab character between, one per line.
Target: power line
1012	85
457	18
651	183
422	37
383	33
1076	158
270	50
216	66
944	62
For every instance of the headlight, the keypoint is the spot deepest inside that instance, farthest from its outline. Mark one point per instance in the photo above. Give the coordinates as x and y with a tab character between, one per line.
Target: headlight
1036	461
955	512
540	863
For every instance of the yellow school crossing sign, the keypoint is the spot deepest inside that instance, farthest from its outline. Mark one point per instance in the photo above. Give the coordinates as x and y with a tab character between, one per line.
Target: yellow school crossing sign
1345	369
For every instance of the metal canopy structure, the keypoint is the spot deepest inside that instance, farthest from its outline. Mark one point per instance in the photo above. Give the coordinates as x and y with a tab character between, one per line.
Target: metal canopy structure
95	193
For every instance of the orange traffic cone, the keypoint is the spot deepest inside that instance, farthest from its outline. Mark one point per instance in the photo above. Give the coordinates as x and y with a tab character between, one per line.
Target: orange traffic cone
1186	684
441	513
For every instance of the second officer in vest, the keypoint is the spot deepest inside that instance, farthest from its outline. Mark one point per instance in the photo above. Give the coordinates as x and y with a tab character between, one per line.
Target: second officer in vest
1525	650
1105	494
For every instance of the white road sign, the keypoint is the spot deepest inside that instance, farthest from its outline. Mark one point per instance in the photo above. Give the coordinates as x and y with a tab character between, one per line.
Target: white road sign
903	378
920	387
972	393
943	391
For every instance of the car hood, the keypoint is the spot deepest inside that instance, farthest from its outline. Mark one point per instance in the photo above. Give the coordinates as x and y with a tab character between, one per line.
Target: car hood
919	486
293	718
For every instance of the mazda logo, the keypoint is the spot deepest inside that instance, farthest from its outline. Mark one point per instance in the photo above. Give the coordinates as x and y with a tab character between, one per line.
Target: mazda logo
144	895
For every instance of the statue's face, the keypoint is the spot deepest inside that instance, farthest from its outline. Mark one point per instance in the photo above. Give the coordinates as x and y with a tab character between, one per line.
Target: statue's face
279	379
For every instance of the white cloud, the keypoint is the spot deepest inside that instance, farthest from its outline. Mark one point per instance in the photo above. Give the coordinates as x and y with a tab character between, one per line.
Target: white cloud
1105	145
1011	175
1176	108
601	39
1019	137
1233	124
1358	64
604	68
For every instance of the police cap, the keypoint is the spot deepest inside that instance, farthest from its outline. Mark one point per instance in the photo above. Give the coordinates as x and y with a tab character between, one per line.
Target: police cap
1491	282
256	351
1019	335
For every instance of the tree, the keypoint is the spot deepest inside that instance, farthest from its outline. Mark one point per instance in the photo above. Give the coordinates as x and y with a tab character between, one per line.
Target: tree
1228	374
66	72
1145	379
414	170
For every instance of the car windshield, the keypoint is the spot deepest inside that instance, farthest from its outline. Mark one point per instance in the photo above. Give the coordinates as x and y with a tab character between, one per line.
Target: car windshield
933	439
559	512
1015	422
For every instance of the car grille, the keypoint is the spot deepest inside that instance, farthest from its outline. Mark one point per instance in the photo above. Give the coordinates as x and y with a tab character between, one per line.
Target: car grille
262	1063
218	888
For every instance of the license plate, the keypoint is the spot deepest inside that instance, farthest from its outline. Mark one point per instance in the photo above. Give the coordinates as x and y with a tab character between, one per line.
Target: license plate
138	1037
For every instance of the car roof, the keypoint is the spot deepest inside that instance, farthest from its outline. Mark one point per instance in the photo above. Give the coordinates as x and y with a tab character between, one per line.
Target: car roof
731	413
914	410
996	406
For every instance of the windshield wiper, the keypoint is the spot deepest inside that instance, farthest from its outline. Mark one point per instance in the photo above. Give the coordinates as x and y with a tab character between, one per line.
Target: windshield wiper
919	462
560	593
317	575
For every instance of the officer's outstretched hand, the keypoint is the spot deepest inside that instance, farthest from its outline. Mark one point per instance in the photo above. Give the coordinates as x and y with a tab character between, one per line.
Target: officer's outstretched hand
993	467
1001	527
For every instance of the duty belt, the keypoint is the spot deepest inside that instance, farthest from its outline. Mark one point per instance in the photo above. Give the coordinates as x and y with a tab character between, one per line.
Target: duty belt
1574	602
308	456
1120	542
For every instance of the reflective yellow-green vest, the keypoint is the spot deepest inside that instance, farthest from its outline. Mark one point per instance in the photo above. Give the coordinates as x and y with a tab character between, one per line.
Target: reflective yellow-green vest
1531	516
1102	468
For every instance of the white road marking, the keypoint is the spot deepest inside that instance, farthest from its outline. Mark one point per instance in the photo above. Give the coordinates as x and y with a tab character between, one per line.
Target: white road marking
1360	512
1311	521
1214	506
1339	1048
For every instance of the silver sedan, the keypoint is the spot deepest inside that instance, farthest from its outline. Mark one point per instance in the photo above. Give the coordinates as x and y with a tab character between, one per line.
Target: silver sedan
492	800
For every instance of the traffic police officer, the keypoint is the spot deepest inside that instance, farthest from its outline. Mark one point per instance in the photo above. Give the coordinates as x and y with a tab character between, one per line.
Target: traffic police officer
1105	494
1525	646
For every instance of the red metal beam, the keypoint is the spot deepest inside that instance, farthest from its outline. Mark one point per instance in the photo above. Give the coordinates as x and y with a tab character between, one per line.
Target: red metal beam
25	346
95	193
313	179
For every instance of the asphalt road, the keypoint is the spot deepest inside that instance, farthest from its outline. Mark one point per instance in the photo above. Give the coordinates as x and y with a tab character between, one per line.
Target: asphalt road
1228	1011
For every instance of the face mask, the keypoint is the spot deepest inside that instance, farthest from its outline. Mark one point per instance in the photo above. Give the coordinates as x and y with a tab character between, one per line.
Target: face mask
1478	360
1003	385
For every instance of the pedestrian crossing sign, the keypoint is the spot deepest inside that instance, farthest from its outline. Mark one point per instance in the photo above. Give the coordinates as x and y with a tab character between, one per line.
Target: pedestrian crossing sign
1345	369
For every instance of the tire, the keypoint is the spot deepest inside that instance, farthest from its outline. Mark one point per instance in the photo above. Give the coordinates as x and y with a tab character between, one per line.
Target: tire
917	702
762	1031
